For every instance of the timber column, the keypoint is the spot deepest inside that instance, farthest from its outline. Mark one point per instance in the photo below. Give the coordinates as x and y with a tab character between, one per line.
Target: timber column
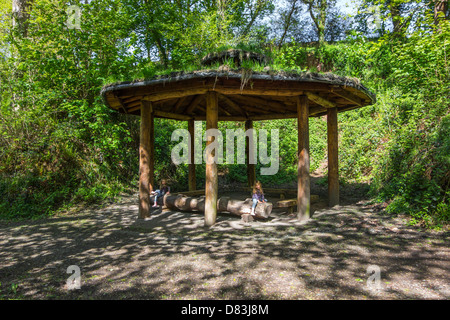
211	183
251	173
191	176
303	180
146	159
333	157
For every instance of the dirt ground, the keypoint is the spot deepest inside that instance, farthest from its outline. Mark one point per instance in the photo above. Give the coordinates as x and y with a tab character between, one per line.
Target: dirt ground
172	256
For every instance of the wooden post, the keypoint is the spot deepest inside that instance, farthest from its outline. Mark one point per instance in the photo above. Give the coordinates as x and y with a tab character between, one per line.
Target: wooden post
211	183
151	160
251	173
192	180
333	159
145	160
303	181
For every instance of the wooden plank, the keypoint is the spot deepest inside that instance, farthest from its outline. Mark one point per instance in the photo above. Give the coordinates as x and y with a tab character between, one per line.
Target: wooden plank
293	202
191	174
303	179
257	117
131	107
349	97
201	109
286	203
224	111
314	111
191	107
333	157
321	101
148	90
174	94
145	158
190	192
211	181
274	116
233	105
122	104
263	84
131	99
171	115
249	108
178	104
260	103
258	91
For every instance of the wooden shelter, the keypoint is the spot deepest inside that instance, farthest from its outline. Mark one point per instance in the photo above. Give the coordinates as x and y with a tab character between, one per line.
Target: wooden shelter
238	95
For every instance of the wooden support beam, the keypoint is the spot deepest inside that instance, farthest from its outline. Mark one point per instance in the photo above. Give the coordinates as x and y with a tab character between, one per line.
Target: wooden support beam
224	111
249	108
317	110
233	105
211	183
122	104
146	156
261	103
303	179
319	100
190	193
256	117
191	177
314	111
170	115
348	96
333	158
191	107
133	109
178	104
274	116
251	170
258	91
131	99
174	94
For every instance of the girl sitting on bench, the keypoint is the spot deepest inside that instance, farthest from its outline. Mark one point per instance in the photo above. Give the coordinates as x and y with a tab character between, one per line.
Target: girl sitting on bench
257	196
163	189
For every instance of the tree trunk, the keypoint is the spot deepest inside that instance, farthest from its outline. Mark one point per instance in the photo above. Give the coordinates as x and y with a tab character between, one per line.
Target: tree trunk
145	160
224	204
191	175
21	15
211	177
251	172
333	157
440	9
303	179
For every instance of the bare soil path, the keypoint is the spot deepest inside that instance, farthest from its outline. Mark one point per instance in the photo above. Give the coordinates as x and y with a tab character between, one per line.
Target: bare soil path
172	256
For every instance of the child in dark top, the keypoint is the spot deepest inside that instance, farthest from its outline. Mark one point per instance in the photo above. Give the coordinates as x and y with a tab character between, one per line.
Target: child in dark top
163	189
257	196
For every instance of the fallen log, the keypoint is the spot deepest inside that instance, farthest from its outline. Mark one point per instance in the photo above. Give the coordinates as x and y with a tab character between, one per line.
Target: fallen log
224	204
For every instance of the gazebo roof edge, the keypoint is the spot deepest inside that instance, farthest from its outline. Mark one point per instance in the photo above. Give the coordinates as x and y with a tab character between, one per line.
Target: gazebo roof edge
327	78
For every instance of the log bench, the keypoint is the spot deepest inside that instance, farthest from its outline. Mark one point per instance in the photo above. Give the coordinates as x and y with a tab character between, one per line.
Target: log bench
224	204
291	203
191	193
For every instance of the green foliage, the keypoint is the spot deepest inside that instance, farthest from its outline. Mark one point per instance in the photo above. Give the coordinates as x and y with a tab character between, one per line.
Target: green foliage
401	142
59	143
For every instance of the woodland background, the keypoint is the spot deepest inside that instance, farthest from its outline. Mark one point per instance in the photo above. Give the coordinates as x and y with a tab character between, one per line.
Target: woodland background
61	146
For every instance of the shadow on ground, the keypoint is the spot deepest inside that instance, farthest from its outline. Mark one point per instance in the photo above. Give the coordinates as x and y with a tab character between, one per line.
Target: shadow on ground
172	256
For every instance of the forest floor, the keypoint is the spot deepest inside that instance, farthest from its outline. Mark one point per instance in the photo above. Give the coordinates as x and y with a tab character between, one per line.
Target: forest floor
172	256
